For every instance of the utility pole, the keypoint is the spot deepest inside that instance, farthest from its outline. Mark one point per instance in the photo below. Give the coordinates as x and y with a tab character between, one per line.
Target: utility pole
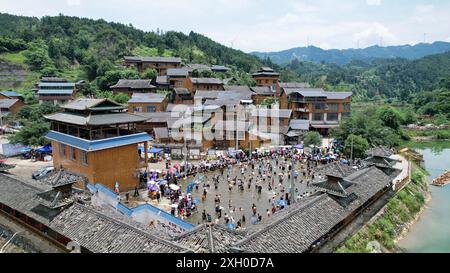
351	151
292	191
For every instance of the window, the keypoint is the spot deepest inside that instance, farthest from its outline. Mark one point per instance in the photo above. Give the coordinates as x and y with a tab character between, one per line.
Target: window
347	107
241	135
317	117
137	109
333	107
151	108
83	157
62	149
319	106
332	116
72	153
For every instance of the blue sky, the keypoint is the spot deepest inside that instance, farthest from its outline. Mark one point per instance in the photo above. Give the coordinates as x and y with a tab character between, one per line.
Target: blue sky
265	25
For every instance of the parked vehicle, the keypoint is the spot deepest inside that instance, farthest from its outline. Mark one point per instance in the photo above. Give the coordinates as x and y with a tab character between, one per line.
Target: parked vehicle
42	172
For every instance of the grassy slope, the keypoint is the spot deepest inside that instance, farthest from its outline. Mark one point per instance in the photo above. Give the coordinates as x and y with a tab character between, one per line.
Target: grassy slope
400	210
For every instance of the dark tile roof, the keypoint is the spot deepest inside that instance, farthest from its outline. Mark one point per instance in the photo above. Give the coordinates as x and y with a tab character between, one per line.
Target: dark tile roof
7	103
81	104
276	113
294	85
134	84
153	59
20	196
336	169
338	95
147	98
238	88
211	238
310	221
380	151
299	124
219	68
61	177
207	81
103	234
177	72
262	90
306	92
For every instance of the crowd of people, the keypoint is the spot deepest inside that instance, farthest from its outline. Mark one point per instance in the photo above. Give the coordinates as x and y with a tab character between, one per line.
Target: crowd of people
232	190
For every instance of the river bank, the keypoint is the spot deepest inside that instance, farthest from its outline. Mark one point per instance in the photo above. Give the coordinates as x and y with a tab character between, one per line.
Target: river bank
430	234
394	220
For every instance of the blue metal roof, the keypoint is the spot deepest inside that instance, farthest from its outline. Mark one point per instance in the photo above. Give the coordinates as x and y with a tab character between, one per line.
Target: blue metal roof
96	145
164	215
11	94
55	91
52	84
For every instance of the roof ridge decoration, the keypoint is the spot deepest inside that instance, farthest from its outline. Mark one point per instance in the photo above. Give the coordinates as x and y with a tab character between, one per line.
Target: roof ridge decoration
280	220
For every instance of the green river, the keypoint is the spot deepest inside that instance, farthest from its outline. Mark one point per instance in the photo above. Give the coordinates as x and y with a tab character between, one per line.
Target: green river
431	233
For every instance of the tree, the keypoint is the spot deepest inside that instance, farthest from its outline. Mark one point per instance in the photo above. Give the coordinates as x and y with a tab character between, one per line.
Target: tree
36	56
360	146
32	134
390	117
149	73
121	98
313	138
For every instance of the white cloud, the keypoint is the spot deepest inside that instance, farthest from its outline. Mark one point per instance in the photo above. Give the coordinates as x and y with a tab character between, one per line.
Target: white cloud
375	33
373	2
72	3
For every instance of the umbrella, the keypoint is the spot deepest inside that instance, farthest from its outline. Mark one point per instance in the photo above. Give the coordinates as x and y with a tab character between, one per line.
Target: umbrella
282	203
174	187
162	182
152	182
174	206
177	165
152	188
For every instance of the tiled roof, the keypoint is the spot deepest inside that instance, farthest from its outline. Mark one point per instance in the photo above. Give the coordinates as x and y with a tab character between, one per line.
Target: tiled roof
306	92
61	178
277	113
380	151
314	218
103	234
20	196
299	124
7	103
147	98
262	90
206	81
294	85
181	91
212	238
238	88
134	84
92	104
338	95
177	72
153	59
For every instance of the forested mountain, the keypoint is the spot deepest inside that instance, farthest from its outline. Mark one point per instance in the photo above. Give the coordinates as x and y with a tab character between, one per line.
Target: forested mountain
82	48
389	78
345	56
